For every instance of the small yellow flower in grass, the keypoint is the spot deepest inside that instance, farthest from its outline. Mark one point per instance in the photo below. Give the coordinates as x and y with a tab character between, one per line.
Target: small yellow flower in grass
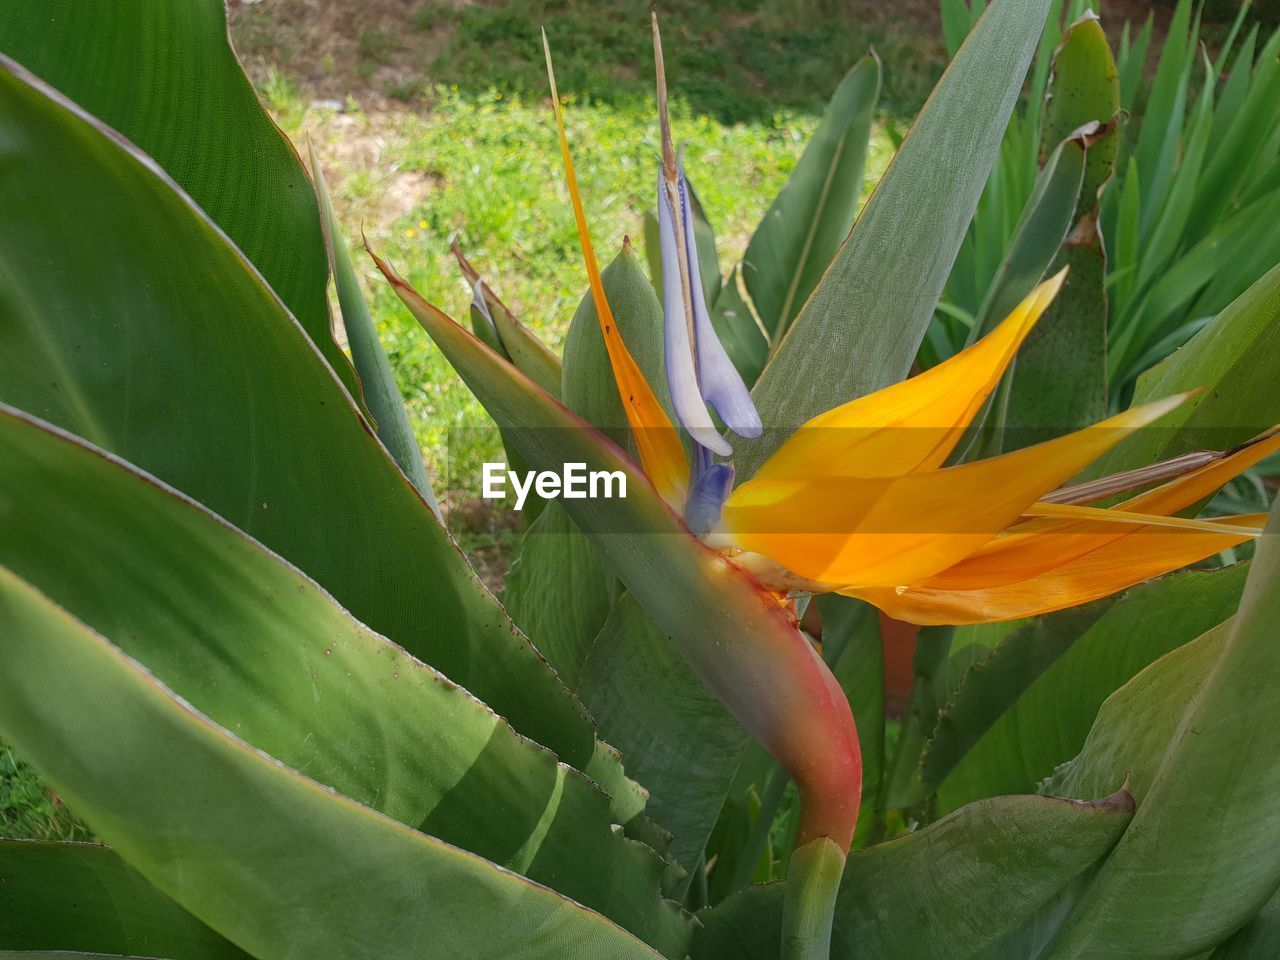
411	233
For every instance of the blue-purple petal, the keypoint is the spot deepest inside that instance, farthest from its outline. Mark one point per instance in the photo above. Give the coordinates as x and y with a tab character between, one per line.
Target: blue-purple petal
686	397
711	485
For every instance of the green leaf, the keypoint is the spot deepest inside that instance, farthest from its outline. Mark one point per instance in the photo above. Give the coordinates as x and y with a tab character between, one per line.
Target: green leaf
1037	238
377	381
82	897
997	737
1232	359
859	330
1259	939
503	332
1190	731
129	320
180	591
216	824
986	869
806	223
163	74
677	739
1059	381
559	591
739	330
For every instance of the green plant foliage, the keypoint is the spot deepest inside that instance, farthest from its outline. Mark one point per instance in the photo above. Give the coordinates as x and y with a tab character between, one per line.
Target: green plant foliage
315	698
919	211
1059	382
680	742
988	868
1007	727
167	787
82	897
804	227
211	354
1177	731
234	162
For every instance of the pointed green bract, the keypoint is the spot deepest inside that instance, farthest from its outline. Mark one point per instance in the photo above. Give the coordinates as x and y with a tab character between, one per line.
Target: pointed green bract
1059	380
215	824
378	384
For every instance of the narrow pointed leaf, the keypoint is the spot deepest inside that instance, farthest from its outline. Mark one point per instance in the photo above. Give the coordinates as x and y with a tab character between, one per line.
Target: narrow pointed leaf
806	223
521	345
1233	358
378	384
918	214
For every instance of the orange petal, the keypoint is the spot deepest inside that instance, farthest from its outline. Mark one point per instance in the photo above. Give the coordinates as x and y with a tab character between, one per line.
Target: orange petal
661	453
1114	566
915	424
1037	546
884	531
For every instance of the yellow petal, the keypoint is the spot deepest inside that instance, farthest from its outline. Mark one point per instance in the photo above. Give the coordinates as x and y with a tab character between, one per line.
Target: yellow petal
661	453
1036	546
1114	566
884	531
915	424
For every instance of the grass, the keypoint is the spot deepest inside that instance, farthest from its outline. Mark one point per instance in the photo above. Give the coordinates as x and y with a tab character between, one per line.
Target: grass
28	809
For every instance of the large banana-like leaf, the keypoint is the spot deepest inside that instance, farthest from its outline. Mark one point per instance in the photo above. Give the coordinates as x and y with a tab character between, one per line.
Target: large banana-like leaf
945	892
806	223
82	897
257	648
1005	730
272	860
163	74
1187	730
129	320
1234	358
676	738
860	329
